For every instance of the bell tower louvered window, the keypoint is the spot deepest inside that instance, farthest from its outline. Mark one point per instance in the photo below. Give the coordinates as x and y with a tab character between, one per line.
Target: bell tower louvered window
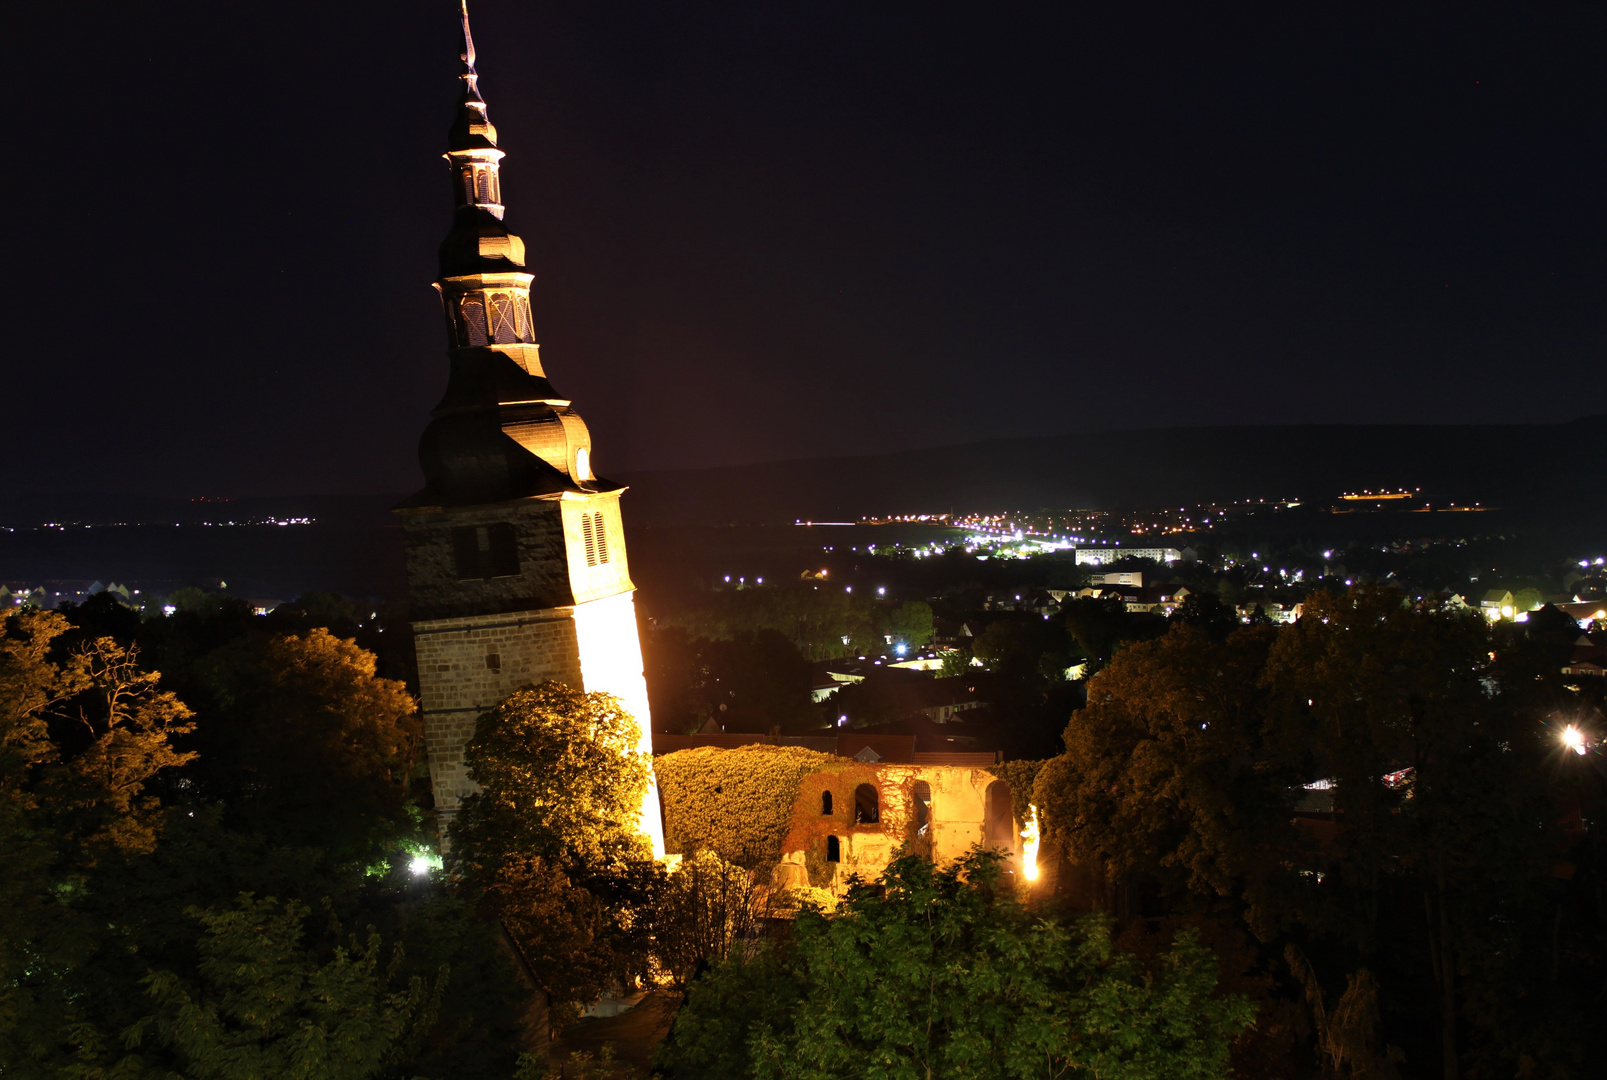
595	537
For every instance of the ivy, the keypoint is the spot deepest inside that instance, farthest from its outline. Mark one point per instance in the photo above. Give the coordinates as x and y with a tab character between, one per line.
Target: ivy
738	803
1020	775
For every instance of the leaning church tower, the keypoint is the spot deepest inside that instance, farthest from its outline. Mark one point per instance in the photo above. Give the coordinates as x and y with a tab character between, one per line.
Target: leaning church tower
516	563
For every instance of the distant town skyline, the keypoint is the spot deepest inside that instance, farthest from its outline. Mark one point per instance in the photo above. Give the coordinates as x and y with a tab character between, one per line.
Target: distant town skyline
765	233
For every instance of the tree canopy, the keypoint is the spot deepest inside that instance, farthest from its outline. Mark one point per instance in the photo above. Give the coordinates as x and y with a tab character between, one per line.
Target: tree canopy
550	840
942	973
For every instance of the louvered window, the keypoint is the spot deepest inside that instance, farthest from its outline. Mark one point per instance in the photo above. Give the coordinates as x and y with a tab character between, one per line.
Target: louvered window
595	537
504	330
472	311
485	551
466	193
482	185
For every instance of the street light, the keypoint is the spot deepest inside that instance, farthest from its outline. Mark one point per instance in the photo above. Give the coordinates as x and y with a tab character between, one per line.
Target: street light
1575	740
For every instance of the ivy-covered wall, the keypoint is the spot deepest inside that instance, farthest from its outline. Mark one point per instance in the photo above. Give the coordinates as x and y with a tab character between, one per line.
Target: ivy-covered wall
759	805
1020	775
738	803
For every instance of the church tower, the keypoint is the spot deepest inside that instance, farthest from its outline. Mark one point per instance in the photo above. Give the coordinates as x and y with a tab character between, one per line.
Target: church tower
516	562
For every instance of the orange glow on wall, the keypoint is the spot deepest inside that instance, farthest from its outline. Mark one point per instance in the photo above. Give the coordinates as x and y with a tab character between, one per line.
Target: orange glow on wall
611	662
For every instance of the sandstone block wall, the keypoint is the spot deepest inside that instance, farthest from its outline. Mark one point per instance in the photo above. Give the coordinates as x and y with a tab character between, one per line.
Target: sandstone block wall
958	822
434	590
467	665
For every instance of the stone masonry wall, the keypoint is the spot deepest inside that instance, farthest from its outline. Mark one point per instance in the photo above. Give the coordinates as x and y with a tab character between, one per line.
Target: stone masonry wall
468	665
434	591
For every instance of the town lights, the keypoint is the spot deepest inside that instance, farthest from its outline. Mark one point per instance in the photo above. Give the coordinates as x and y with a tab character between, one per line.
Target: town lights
1575	740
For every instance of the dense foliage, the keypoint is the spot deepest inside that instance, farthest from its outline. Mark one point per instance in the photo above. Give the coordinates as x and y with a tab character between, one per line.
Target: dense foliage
821	620
940	973
550	843
738	803
1379	787
165	858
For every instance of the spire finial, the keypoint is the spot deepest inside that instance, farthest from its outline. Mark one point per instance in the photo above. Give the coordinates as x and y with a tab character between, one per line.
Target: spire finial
467	56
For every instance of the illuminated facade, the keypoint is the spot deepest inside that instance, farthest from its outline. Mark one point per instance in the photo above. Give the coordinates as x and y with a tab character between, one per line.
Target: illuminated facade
516	560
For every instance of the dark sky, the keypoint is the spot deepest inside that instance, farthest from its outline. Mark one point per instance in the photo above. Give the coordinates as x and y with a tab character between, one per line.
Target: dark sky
770	231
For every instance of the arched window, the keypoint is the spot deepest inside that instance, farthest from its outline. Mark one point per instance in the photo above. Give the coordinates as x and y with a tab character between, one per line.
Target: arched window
834	849
1000	824
472	310
867	805
825	803
521	318
503	328
482	185
921	796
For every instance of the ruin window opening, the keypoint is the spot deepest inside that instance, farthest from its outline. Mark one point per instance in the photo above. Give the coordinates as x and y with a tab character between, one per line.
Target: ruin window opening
867	805
834	849
825	804
1000	821
921	796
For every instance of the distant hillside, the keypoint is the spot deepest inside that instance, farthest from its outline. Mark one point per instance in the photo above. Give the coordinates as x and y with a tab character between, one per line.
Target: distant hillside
1546	469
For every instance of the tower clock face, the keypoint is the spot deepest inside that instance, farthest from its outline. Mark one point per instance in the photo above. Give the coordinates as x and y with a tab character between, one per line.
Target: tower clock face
582	464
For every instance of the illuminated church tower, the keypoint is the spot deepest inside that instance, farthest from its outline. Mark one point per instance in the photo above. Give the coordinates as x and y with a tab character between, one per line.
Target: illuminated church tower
515	554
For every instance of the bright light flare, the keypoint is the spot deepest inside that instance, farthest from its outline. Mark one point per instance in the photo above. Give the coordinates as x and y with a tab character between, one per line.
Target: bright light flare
1029	845
1575	740
420	865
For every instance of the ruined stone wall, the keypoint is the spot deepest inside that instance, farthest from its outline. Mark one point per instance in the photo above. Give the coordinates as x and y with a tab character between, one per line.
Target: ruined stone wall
958	821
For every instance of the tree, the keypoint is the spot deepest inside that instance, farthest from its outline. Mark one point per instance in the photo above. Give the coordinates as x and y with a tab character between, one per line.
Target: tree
81	741
261	1003
550	840
1447	836
705	908
1210	614
1100	626
911	624
1169	775
307	743
943	973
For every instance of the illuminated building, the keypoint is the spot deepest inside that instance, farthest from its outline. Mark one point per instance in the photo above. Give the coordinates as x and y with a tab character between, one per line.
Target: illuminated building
1104	556
516	560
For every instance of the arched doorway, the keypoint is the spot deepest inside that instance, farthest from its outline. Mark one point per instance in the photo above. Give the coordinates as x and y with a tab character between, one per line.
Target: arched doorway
999	821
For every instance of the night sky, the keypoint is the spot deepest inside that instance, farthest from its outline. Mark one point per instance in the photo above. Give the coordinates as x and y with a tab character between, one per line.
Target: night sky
770	231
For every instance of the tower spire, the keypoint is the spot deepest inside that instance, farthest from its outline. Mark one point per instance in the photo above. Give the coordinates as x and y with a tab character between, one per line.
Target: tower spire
467	56
516	559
